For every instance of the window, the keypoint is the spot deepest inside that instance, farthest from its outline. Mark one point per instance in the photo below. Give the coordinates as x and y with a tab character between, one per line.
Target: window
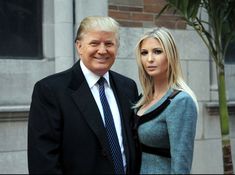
230	54
20	29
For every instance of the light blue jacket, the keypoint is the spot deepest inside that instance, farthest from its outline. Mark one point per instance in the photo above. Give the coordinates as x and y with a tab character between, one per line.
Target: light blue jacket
174	128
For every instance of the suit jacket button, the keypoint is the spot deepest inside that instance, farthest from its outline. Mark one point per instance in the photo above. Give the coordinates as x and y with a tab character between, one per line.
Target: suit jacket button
104	153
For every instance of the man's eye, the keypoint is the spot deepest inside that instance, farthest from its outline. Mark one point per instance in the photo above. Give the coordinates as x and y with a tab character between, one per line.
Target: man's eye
109	44
94	44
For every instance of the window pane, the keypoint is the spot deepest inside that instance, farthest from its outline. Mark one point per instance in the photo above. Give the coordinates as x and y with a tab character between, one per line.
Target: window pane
20	29
230	55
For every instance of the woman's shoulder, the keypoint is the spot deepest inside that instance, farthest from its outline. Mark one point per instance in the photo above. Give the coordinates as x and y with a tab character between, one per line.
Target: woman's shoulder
183	107
183	99
182	95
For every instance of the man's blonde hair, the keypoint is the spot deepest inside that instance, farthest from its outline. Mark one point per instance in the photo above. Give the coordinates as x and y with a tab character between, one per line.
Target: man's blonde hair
103	23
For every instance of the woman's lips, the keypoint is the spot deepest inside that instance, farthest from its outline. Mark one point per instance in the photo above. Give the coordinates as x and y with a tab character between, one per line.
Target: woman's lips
151	67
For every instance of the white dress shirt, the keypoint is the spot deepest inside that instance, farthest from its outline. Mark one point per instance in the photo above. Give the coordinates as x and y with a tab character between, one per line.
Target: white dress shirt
92	79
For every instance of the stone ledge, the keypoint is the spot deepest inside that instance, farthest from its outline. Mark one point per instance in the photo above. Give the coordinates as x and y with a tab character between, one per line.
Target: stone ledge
213	108
14	113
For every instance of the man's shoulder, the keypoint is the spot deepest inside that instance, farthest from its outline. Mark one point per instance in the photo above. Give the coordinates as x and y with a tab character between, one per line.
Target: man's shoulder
57	79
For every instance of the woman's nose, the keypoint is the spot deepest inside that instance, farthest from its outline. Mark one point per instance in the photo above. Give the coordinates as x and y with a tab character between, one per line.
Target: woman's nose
150	57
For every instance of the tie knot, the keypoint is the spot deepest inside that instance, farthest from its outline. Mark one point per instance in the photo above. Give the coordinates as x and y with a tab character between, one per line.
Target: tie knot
101	81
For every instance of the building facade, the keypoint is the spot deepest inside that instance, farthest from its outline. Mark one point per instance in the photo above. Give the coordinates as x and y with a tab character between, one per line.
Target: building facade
55	23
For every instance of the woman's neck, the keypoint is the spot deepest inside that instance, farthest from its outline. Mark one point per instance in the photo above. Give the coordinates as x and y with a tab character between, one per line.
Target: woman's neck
160	89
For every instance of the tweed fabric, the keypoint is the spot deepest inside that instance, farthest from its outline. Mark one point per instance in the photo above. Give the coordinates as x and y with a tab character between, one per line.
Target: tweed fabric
174	128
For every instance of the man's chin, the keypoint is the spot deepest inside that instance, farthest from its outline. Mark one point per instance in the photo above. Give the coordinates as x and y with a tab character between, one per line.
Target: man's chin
102	70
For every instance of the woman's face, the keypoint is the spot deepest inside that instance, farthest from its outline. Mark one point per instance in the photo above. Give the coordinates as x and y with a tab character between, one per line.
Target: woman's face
98	50
153	58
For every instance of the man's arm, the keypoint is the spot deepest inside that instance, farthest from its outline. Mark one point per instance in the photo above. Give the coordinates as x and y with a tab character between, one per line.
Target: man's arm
44	132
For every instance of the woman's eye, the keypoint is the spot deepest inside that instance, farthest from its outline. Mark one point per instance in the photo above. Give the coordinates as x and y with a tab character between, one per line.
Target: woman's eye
158	51
144	53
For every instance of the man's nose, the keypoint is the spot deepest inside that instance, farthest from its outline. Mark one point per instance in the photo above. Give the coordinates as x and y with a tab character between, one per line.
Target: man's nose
102	49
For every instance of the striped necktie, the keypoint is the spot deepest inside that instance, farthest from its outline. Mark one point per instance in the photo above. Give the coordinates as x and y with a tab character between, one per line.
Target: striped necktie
110	130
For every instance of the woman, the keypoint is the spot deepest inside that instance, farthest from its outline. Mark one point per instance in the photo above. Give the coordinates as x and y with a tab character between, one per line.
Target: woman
167	111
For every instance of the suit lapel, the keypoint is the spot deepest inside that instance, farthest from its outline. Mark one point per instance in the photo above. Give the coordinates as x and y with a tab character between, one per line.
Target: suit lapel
85	101
86	104
122	100
124	110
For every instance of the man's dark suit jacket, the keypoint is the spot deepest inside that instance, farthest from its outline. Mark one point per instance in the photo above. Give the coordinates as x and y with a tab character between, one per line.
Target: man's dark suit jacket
65	129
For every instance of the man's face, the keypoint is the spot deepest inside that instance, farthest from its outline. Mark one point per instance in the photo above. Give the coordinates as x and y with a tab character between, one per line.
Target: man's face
97	50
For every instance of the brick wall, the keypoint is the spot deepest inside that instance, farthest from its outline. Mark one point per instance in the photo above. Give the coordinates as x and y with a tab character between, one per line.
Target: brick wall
142	13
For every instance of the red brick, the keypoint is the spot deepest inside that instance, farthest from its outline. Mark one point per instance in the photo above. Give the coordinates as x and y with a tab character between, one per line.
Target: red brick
113	7
148	2
169	17
142	17
171	24
119	15
138	16
127	8
172	11
153	8
130	24
180	24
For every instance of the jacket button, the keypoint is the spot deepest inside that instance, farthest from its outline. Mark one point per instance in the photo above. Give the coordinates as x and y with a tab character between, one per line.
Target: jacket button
104	153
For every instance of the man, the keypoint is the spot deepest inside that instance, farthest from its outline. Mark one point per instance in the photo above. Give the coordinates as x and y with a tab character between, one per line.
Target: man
67	130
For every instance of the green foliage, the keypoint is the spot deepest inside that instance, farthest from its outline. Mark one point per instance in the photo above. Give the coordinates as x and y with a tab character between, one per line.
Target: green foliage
217	31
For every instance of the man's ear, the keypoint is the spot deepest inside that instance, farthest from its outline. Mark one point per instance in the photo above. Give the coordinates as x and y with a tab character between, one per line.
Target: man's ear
78	46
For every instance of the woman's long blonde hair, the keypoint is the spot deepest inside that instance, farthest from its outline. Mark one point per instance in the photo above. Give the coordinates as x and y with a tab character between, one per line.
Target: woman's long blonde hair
174	71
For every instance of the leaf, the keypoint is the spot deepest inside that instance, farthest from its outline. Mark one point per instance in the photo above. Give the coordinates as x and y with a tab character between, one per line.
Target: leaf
166	7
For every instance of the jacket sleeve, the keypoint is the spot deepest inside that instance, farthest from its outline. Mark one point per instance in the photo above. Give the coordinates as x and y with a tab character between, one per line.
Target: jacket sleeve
44	132
181	124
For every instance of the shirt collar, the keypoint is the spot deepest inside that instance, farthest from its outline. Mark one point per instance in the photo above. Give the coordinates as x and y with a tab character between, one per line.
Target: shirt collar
92	78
